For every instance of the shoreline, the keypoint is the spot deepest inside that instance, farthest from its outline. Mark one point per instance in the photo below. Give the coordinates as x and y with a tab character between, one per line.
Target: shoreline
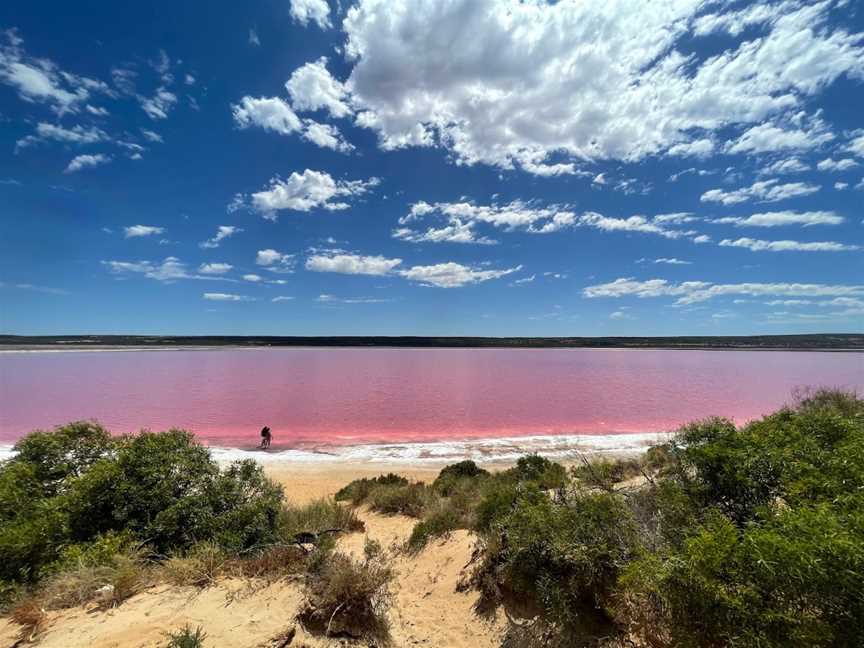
489	451
10	349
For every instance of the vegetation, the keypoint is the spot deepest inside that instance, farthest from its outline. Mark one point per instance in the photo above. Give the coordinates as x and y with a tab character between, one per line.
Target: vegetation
186	637
347	597
87	518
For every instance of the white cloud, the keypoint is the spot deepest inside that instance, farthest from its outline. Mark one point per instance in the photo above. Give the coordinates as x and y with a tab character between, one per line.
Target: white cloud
253	38
837	165
83	161
222	232
313	88
325	136
762	191
306	191
211	296
159	105
317	11
697	148
254	278
39	80
215	268
452	275
75	135
270	113
690	292
620	315
678	218
856	145
332	299
134	231
151	135
665	260
518	83
775	219
168	270
523	280
756	245
767	138
790	165
349	263
840	186
271	258
282	298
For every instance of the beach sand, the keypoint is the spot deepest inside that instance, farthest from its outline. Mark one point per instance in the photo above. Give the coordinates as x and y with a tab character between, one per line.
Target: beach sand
426	608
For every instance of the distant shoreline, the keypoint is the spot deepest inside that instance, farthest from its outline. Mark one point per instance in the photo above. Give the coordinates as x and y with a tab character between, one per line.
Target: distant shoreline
846	342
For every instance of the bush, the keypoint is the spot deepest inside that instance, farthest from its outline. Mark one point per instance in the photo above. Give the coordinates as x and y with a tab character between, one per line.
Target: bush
458	476
199	567
348	598
73	499
358	490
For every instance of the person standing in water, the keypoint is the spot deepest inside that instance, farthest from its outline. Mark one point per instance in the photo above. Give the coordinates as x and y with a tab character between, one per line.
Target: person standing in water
266	437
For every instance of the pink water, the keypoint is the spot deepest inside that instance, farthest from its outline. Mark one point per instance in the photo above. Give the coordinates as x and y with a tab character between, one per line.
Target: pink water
346	396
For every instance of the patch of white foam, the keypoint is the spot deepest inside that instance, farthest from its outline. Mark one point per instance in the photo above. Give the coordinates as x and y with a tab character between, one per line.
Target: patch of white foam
490	450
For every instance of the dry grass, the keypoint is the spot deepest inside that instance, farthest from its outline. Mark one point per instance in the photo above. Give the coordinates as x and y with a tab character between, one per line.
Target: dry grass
30	615
199	567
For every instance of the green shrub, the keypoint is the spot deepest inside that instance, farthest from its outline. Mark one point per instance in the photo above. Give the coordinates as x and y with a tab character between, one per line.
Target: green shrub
72	498
358	490
462	475
410	499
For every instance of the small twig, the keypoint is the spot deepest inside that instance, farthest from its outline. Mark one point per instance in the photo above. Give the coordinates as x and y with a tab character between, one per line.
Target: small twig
332	616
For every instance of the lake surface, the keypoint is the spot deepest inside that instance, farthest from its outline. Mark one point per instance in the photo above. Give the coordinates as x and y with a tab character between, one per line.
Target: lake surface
314	396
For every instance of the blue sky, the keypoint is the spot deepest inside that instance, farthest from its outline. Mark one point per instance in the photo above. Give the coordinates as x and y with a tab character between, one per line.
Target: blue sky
470	167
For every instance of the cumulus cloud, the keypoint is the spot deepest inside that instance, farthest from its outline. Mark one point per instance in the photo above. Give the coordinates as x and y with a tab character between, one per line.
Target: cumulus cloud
665	260
215	268
529	83
690	292
313	88
214	296
350	263
757	245
222	232
325	136
84	161
306	191
151	135
269	113
761	191
134	231
306	11
775	219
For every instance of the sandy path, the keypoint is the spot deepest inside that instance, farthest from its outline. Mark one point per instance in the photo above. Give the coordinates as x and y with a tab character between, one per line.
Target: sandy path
426	611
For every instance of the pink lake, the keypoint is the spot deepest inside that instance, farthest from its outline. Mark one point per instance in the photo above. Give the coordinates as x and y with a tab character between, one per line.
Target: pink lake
356	396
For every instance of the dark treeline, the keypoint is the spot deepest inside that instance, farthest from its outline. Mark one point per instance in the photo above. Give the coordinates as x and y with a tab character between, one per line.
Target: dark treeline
826	341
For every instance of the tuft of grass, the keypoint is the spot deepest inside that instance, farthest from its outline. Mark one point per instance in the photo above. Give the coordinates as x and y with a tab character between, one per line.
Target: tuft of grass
317	516
349	598
438	524
199	567
186	637
273	563
122	576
